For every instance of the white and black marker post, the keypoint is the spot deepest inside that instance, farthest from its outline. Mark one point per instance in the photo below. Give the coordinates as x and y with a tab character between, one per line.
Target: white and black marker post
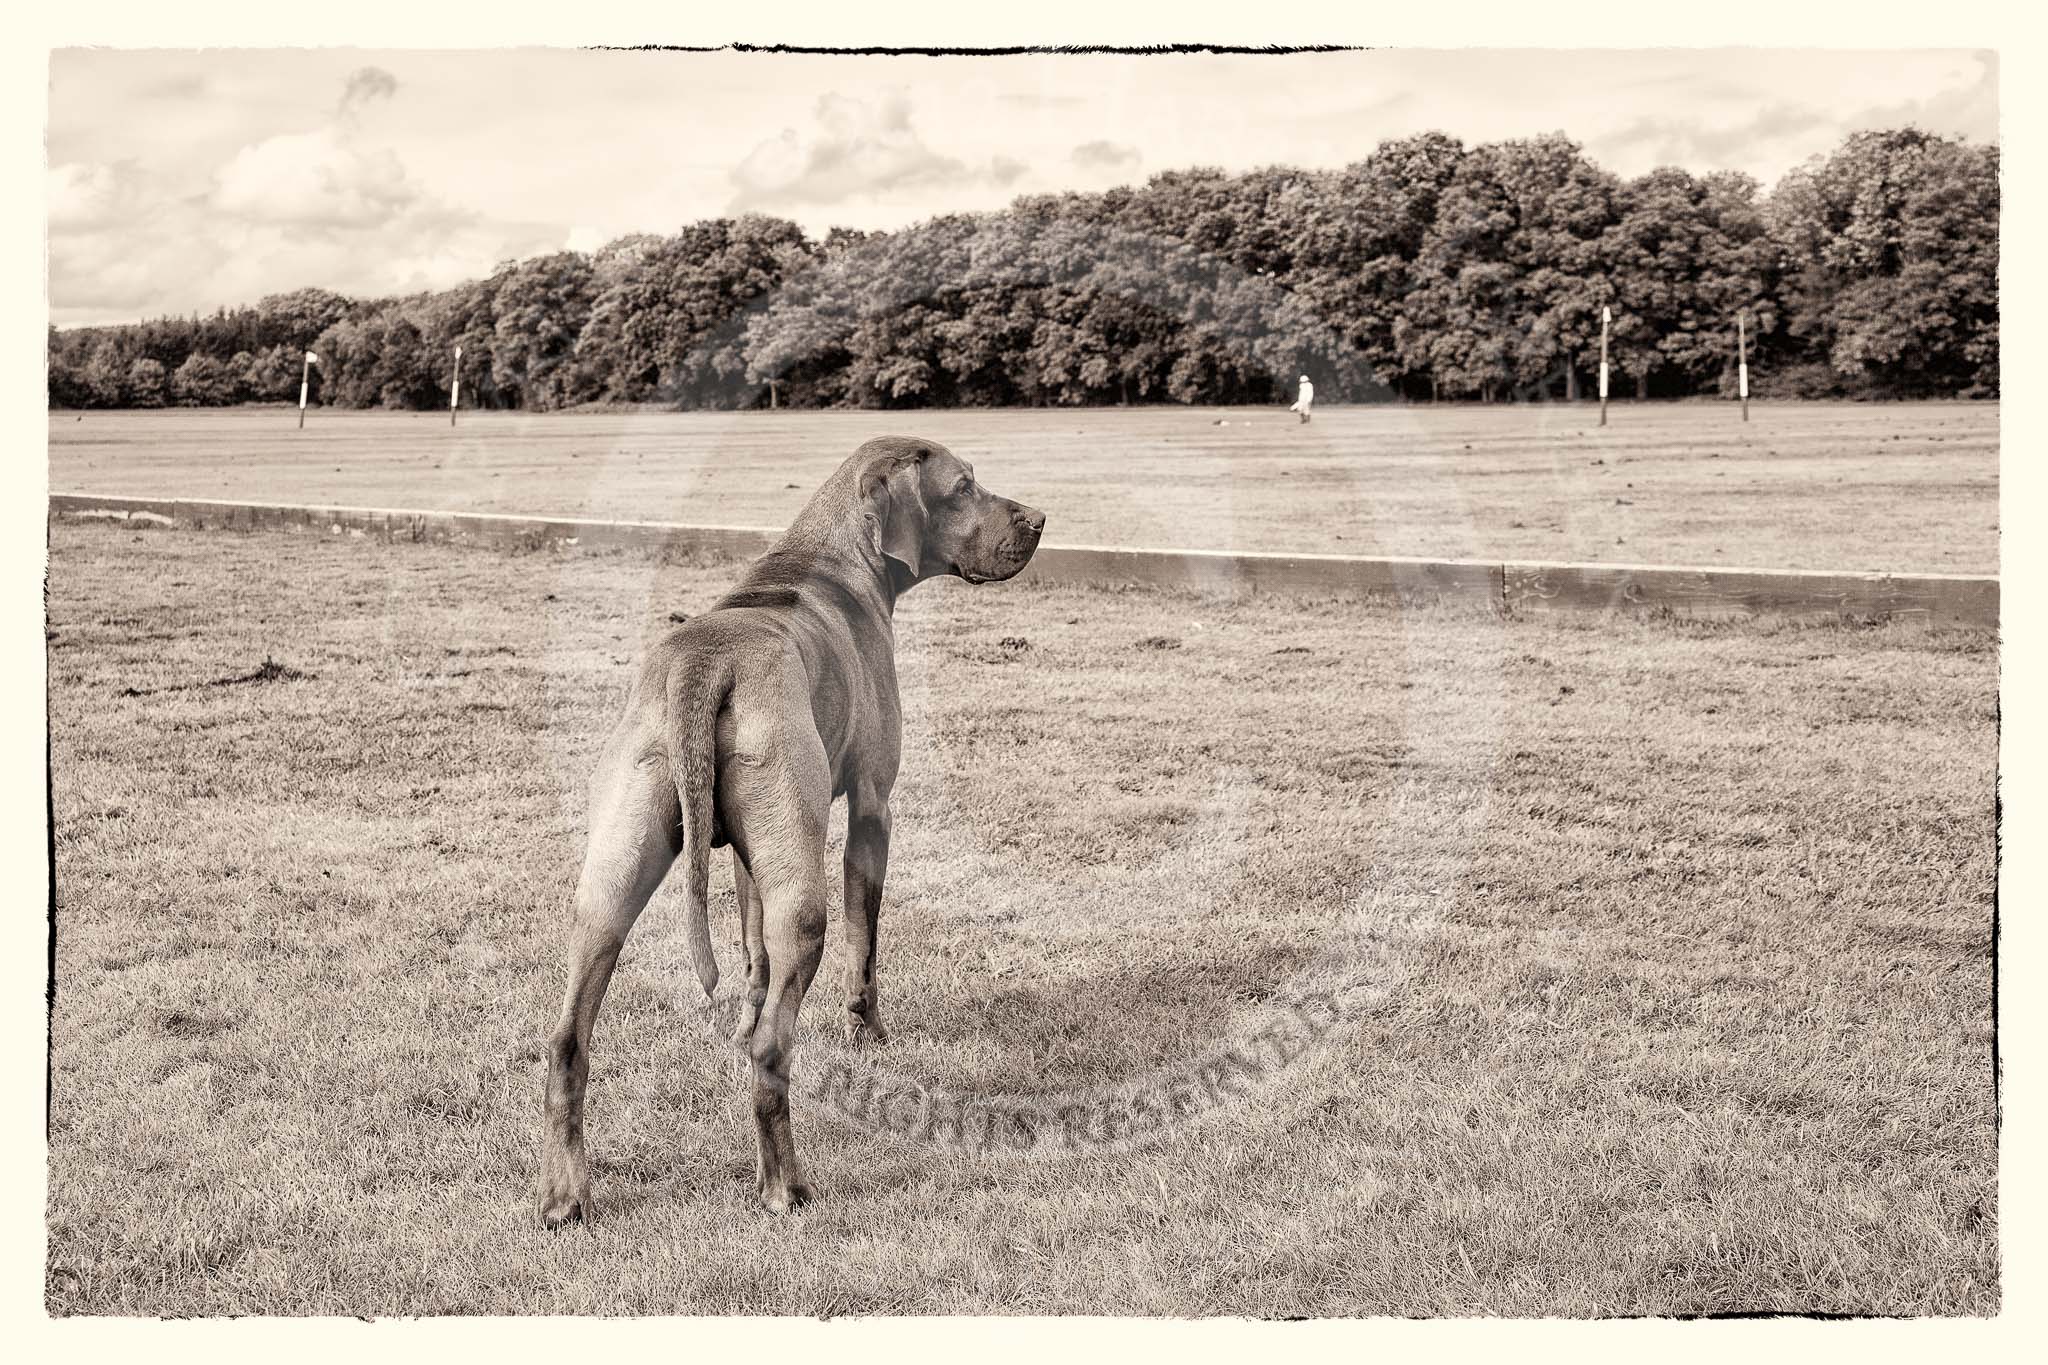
455	387
305	383
1742	360
1606	316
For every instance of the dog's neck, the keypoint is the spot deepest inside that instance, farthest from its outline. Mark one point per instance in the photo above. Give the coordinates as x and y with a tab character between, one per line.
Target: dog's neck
834	524
828	542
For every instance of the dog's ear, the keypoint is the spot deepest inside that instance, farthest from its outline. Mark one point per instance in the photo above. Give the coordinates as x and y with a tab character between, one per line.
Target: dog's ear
893	494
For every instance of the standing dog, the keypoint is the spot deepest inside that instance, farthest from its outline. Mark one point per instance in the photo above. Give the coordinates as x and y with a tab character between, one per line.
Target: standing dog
743	725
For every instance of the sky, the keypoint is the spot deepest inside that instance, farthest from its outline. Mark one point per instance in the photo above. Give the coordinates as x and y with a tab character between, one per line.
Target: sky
179	182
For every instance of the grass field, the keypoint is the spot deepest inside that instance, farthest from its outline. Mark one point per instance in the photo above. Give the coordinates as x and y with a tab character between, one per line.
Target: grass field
1680	1000
1902	487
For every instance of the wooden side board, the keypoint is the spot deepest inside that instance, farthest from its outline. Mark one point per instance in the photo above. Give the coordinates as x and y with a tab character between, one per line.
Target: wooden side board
1729	594
474	528
1306	575
1513	588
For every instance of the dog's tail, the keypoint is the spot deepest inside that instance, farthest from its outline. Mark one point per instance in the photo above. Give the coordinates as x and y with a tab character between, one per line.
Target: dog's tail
702	693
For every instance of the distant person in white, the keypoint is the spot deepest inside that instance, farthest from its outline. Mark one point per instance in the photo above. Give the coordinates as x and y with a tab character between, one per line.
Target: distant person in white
1306	400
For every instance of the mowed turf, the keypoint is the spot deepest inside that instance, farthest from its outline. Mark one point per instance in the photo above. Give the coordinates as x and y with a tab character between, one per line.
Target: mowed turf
1674	995
1898	487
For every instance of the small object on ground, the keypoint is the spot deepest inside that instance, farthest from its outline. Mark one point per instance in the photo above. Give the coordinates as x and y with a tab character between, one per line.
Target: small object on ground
1158	642
270	671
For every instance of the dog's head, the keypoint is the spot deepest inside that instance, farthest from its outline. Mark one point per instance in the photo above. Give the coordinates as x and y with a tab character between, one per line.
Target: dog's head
927	514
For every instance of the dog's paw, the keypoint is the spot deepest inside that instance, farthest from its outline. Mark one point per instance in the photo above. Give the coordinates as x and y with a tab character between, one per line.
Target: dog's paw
564	1200
780	1199
865	1028
559	1211
564	1186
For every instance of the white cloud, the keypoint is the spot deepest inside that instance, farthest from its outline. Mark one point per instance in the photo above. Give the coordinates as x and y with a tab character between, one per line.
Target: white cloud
1691	142
317	179
1103	152
856	149
85	197
185	180
367	83
330	206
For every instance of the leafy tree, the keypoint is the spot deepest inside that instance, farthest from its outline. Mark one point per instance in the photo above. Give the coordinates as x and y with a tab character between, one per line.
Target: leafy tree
1356	243
1427	269
375	357
272	375
463	316
1510	280
600	367
202	382
67	384
145	386
1684	256
297	318
540	307
106	375
238	367
1891	247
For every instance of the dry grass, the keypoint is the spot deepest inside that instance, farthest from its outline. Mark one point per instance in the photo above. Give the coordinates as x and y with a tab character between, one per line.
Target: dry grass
1902	487
1692	1013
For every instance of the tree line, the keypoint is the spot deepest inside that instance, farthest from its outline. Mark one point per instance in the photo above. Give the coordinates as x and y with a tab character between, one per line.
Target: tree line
1429	270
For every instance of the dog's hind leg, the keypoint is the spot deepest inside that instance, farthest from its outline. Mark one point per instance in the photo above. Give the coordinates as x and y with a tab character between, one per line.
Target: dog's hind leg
782	804
795	914
755	993
633	839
